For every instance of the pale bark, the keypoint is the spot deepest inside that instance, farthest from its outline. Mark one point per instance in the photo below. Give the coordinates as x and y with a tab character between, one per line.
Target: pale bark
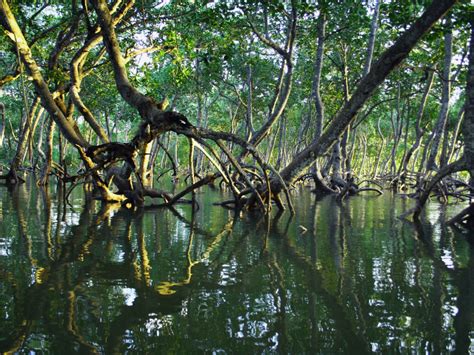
76	73
23	138
31	135
457	130
249	116
283	88
372	35
466	162
2	124
46	170
318	66
440	126
418	130
380	70
467	128
155	120
67	125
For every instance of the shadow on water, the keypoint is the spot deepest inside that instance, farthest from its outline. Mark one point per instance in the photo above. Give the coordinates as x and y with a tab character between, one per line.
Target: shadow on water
336	277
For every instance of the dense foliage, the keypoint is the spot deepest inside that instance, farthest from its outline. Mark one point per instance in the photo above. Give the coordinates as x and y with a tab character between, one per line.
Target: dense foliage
242	66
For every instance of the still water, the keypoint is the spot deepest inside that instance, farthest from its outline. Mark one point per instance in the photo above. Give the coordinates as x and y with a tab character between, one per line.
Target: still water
336	277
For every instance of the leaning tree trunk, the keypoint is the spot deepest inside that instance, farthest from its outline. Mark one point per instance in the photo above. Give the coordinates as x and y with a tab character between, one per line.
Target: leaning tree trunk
468	123
454	140
372	36
418	130
48	162
67	125
249	130
284	83
393	56
56	109
31	135
381	148
2	124
318	66
440	127
466	162
12	176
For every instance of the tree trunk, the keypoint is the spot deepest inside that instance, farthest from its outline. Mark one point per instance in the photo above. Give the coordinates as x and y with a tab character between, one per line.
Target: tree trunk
46	170
249	115
318	66
143	171
284	84
397	127
66	124
467	160
373	33
454	141
440	126
418	130
381	148
468	123
281	143
22	143
2	124
380	70
336	177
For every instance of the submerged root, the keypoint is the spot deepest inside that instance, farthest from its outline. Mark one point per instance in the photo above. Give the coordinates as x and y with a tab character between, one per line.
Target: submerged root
465	218
456	166
12	178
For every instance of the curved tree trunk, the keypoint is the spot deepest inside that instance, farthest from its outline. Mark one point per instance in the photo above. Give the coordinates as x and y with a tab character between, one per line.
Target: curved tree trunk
380	70
67	125
381	148
318	66
373	33
468	123
249	130
2	124
466	162
440	126
284	84
46	170
419	131
12	176
457	130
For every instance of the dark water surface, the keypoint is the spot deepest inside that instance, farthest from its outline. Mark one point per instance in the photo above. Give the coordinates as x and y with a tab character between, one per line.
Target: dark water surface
75	279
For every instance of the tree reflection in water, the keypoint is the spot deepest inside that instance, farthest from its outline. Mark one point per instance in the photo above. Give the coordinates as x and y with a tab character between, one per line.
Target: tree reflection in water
87	278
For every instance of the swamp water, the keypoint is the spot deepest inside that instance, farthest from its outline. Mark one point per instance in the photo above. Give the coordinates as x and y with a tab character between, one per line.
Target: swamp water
336	277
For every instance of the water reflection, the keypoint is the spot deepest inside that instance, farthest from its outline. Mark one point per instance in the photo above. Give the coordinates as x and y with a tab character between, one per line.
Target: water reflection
336	277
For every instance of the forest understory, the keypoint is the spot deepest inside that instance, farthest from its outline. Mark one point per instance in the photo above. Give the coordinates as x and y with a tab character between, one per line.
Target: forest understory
293	98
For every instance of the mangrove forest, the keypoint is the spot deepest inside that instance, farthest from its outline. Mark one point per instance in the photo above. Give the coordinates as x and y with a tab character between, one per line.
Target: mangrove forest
236	176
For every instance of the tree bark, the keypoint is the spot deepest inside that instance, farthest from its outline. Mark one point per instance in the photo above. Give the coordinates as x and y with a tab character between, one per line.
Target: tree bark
2	124
318	66
457	130
380	70
249	115
440	126
46	170
67	125
418	130
468	123
155	120
283	88
22	142
466	162
373	34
